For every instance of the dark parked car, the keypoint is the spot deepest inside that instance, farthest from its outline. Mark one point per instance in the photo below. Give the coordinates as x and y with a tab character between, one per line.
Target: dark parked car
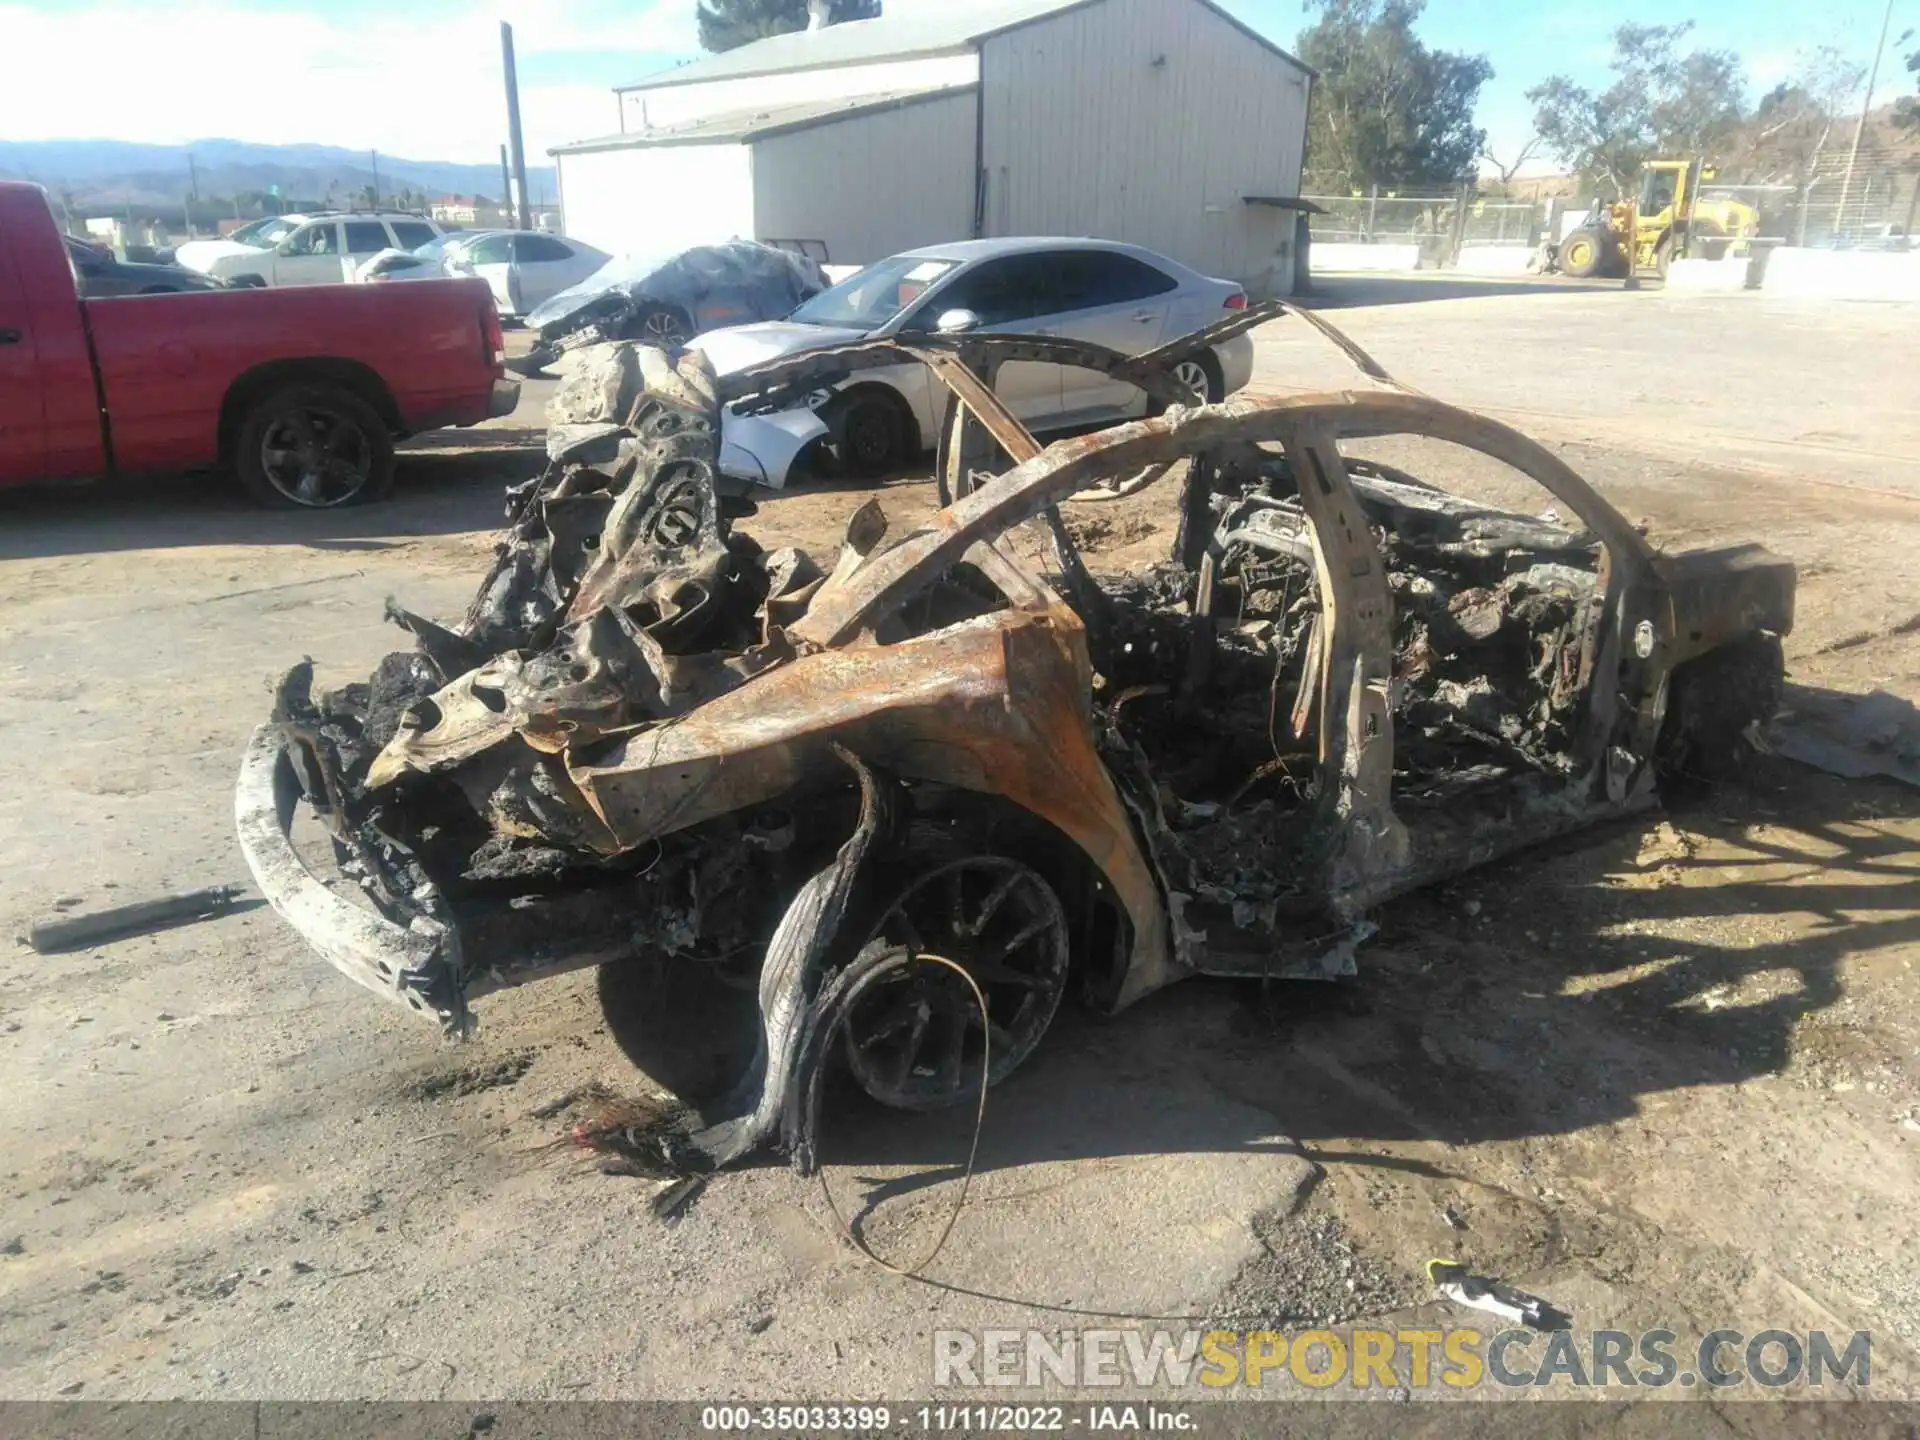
667	300
100	276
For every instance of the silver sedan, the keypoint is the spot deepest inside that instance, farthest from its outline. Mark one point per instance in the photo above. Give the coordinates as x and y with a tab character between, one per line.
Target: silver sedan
1121	296
523	267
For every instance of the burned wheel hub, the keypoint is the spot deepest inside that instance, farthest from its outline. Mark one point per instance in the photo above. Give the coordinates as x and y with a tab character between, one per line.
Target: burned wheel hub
915	1039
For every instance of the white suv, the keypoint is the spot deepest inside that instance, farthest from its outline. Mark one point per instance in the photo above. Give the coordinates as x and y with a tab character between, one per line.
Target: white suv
326	250
249	239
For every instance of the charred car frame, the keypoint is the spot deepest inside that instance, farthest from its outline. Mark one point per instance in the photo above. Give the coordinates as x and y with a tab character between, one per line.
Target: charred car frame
649	735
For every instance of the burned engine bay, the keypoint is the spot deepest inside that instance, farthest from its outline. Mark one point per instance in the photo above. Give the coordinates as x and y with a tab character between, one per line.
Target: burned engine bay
652	735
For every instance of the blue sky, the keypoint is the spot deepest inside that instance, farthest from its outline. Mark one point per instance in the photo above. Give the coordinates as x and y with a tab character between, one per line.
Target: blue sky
423	79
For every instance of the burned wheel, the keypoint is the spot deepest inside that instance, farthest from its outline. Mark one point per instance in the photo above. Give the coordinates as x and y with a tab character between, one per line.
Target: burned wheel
914	1038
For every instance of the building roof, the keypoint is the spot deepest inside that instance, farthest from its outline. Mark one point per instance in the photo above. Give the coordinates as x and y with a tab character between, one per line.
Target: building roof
761	121
943	31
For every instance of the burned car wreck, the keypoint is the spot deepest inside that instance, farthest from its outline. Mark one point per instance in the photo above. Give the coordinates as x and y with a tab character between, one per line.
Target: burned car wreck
649	735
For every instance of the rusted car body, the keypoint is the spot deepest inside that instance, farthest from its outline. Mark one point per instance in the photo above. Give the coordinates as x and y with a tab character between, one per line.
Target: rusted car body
651	736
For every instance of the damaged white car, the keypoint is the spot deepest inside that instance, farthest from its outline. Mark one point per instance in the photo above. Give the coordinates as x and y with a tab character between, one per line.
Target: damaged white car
1120	298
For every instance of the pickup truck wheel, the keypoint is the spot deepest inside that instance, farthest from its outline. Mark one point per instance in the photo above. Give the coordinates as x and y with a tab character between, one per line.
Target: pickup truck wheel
313	447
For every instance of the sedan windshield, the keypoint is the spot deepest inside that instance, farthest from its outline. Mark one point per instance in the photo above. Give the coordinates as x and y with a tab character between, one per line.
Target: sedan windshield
873	297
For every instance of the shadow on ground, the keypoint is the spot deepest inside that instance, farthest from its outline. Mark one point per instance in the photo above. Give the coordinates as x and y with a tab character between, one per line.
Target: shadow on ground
1576	982
1332	292
448	482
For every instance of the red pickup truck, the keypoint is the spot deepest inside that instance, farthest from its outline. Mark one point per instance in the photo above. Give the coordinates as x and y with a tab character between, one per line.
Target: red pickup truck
300	392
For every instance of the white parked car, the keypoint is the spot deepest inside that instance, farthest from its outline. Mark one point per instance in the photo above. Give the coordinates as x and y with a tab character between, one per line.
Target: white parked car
427	262
1121	296
249	239
524	267
326	250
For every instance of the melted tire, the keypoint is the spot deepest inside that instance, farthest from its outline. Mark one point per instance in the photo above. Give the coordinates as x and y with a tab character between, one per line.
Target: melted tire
1712	704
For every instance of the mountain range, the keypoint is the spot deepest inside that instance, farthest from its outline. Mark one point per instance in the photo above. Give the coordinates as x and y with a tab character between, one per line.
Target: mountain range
124	171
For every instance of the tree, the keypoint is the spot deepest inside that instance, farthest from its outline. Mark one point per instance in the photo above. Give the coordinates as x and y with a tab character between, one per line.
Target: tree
1660	101
1794	121
1505	169
725	24
1387	110
1906	114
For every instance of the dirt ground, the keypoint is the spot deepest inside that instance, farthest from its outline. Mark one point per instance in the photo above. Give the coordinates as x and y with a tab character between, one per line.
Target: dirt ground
1667	1074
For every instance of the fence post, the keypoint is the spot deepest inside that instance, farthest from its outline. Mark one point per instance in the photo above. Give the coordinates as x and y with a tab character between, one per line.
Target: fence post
1373	203
1459	226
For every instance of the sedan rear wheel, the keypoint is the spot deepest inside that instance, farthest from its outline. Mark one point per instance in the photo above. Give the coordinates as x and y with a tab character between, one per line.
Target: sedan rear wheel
1202	379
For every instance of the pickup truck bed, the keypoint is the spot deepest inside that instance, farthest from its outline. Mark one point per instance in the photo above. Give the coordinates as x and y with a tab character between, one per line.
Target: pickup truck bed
300	392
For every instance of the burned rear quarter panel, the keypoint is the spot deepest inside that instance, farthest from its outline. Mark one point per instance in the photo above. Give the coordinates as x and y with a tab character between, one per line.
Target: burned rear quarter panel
167	361
997	705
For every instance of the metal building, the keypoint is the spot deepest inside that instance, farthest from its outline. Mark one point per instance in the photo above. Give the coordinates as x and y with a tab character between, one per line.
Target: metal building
1167	123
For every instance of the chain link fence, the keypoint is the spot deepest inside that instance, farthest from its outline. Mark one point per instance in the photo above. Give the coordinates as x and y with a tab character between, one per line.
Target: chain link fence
1501	222
1435	226
1866	202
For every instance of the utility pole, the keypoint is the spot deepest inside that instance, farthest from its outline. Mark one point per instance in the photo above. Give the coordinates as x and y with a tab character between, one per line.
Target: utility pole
193	194
513	126
1866	104
506	184
374	155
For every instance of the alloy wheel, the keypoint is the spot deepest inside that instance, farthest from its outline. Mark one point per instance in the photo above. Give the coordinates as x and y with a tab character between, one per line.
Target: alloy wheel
315	457
915	1040
1193	375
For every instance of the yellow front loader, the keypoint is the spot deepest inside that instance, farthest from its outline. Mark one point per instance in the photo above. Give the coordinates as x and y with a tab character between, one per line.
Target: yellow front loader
1667	220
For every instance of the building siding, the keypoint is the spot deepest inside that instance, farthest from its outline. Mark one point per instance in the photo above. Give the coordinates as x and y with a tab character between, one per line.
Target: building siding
1083	133
670	105
872	185
656	199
